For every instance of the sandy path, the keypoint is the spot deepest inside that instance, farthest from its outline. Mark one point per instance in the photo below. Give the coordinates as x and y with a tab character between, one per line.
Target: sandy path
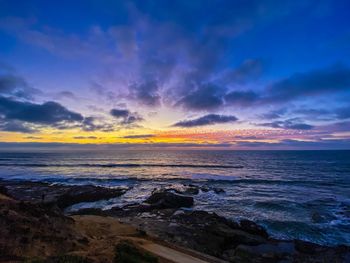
170	254
105	232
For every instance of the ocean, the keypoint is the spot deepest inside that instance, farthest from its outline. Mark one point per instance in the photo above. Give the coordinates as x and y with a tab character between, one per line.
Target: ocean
294	194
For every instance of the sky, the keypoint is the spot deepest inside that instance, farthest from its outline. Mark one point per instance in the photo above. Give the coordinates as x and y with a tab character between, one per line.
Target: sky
202	74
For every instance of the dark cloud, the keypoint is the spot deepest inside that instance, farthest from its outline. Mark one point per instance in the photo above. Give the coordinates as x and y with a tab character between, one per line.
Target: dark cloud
84	137
15	86
241	98
147	93
120	113
66	94
298	144
209	119
92	124
343	113
48	113
331	80
16	146
293	124
139	136
204	97
274	114
126	117
249	70
103	92
16	126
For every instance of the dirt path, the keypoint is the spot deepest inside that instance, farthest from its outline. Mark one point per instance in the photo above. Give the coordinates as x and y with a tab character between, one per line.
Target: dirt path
105	231
171	254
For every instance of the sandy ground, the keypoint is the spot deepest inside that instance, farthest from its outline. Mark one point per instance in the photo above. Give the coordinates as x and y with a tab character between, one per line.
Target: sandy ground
98	237
105	232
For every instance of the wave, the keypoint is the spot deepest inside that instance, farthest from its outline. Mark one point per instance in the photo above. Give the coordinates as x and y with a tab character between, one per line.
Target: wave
128	165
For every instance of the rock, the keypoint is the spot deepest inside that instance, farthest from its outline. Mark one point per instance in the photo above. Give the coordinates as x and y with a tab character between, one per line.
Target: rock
87	193
60	195
218	190
204	189
165	199
253	228
189	189
89	211
234	236
308	248
270	252
309	252
34	229
3	190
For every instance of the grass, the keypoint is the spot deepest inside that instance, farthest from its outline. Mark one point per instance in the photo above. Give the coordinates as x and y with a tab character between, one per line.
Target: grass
60	259
126	252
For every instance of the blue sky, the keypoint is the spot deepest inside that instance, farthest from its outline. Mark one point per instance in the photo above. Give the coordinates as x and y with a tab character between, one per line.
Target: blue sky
176	72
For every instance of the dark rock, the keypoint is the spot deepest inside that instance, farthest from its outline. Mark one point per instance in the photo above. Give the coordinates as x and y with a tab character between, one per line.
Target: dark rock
308	248
218	190
268	252
253	228
27	227
204	189
234	237
165	199
3	190
88	193
60	195
89	211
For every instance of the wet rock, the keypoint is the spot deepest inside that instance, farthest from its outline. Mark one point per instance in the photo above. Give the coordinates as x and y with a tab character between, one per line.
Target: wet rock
253	228
309	252
89	211
60	195
308	248
186	189
265	252
205	189
218	190
234	236
88	193
165	199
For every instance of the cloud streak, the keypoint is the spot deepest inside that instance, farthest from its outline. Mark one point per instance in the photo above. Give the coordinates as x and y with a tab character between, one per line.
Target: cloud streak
209	119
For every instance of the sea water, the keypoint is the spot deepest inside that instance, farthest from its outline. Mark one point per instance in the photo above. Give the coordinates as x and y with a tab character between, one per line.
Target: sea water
294	194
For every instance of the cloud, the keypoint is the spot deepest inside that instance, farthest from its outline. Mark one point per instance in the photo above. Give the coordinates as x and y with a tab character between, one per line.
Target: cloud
15	86
209	119
331	80
93	124
139	136
33	137
66	94
241	98
274	114
293	124
248	71
16	126
48	113
84	137
17	146
297	145
343	113
126	117
146	93
204	97
103	92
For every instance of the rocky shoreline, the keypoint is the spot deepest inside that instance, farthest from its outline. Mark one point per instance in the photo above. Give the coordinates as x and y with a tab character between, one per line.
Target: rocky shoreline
165	216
